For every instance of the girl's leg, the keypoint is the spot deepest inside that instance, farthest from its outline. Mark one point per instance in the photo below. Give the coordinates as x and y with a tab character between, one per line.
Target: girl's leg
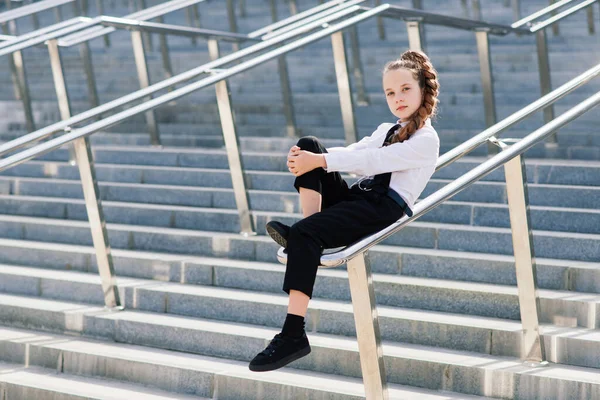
310	202
318	189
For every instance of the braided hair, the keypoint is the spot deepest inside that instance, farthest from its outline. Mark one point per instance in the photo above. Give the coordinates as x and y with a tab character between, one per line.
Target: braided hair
423	72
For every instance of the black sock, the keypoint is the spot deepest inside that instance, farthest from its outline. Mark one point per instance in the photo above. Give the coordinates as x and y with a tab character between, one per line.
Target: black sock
293	325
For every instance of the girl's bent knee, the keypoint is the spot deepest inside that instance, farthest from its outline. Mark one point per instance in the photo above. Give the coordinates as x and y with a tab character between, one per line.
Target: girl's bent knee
310	143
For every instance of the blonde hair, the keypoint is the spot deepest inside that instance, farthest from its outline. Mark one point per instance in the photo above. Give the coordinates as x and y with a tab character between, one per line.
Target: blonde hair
423	72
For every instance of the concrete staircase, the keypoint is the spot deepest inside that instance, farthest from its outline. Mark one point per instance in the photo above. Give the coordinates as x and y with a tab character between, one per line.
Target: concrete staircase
201	300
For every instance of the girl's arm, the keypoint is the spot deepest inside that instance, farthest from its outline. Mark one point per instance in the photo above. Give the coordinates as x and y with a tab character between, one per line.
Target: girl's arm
364	142
418	151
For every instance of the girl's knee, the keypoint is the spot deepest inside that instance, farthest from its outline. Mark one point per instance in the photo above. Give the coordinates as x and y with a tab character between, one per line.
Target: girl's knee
310	143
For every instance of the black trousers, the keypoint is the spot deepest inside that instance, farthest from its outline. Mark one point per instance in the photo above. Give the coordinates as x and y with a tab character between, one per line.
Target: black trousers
347	214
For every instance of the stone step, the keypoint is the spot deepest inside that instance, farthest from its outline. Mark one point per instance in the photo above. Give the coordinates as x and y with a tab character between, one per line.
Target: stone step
540	195
557	172
219	377
497	301
19	382
85	355
562	245
432	263
272	155
420	328
558	219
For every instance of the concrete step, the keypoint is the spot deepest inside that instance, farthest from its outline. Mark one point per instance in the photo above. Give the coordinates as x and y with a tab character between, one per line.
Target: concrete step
19	382
228	379
431	263
239	340
488	300
562	245
84	355
284	200
540	171
558	219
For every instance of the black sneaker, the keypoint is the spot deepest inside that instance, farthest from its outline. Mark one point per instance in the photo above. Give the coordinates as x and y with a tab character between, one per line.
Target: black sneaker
281	351
278	232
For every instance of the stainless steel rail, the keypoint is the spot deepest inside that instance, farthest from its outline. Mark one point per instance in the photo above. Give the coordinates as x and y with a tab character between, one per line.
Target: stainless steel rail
495	130
178	79
359	271
16	62
28	10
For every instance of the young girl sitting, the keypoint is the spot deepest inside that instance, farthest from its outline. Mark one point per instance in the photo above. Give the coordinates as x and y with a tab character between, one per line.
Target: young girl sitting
396	163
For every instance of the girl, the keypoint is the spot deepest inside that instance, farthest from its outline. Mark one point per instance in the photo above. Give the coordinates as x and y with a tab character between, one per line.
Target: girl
397	161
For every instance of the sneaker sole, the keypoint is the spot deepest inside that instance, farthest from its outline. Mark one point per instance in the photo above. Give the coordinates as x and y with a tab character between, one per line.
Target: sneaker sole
277	236
281	363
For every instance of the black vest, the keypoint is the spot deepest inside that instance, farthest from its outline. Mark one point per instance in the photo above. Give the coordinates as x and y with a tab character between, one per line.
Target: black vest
381	183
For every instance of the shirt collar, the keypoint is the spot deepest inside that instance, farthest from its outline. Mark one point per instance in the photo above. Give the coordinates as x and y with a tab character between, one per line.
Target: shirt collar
402	124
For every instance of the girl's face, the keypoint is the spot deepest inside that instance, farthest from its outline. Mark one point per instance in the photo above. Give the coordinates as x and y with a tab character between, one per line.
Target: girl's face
402	93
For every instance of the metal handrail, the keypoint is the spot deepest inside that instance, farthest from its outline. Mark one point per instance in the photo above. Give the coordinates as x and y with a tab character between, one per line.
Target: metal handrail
562	15
221	75
175	80
42	31
410	14
37	39
31	9
130	24
143	15
7	37
540	13
493	131
295	18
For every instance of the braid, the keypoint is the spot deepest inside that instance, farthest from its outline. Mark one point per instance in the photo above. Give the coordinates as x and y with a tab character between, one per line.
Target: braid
424	73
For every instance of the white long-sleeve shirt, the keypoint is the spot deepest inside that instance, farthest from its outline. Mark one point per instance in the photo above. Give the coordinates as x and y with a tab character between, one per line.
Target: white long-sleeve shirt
412	162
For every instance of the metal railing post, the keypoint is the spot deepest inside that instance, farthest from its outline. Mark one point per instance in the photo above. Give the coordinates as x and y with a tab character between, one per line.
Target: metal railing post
380	24
13	69
142	70
19	78
242	6
359	78
367	328
343	81
233	148
477	10
590	18
516	7
164	52
286	92
555	29
545	79
146	35
273	8
465	8
100	9
293	7
415	36
190	22
91	192
88	66
487	81
532	350
57	14
233	27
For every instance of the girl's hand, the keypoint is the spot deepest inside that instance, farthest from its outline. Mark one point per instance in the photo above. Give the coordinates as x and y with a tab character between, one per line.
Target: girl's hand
301	161
292	150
